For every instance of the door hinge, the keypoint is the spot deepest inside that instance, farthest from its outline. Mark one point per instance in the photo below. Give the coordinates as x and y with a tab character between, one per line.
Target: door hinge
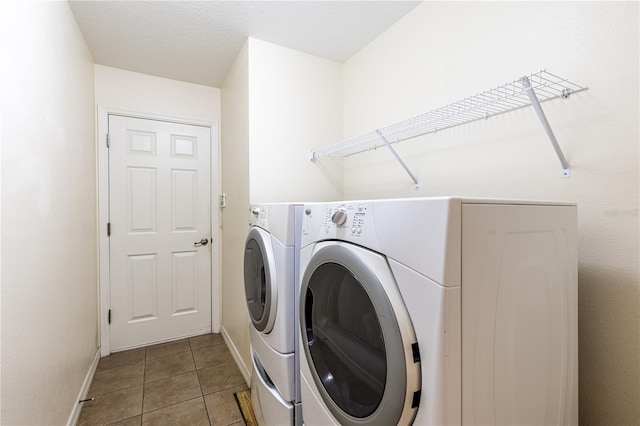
108	229
108	140
109	316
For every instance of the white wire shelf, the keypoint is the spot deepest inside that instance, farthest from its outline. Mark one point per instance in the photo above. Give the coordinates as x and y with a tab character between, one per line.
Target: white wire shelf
528	90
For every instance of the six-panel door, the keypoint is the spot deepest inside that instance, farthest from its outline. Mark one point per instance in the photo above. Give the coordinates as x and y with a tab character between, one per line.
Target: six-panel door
160	263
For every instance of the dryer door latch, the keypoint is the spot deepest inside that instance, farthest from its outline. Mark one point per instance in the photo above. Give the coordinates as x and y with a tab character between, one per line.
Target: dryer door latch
416	352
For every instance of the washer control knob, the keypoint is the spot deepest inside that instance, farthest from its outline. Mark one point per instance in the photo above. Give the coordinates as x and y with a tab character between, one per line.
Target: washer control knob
339	217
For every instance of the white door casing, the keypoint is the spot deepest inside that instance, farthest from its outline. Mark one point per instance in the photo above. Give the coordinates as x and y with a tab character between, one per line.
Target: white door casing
158	282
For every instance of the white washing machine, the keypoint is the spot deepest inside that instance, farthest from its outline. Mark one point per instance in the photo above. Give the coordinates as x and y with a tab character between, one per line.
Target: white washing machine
271	274
439	311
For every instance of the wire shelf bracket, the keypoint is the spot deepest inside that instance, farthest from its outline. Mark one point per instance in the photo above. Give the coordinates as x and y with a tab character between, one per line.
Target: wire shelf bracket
530	90
395	154
526	84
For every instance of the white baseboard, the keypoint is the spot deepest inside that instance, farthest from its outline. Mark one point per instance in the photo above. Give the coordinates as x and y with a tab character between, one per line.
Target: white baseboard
246	372
84	390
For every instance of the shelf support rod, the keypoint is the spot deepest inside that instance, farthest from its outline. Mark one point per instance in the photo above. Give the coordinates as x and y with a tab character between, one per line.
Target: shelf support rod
526	84
395	154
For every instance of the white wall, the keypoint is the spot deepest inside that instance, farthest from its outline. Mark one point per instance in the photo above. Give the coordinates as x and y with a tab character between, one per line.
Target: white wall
49	267
295	106
122	89
444	51
235	183
278	104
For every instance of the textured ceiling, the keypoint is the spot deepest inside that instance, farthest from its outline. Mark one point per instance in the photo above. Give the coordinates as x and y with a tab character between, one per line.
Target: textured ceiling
197	41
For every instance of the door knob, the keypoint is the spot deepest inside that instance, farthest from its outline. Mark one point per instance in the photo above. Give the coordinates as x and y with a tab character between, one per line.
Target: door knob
202	242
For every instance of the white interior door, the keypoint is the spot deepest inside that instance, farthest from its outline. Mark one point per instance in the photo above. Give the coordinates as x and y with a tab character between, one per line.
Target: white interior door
160	222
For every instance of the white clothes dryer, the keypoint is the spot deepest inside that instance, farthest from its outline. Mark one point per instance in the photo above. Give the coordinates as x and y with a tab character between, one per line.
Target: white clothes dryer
439	311
271	273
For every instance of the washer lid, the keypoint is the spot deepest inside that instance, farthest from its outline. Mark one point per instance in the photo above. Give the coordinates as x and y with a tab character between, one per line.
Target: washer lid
260	280
358	338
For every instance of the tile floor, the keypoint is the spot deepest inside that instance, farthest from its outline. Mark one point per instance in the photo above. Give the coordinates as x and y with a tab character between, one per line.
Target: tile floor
187	382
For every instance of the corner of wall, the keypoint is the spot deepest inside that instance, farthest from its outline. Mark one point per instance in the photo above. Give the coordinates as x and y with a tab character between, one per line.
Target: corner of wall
235	183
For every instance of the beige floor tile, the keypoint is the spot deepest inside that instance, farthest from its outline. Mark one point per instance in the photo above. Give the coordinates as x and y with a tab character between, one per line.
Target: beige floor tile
208	357
167	381
222	407
133	421
121	359
112	407
220	377
114	379
166	349
168	366
170	391
206	340
188	413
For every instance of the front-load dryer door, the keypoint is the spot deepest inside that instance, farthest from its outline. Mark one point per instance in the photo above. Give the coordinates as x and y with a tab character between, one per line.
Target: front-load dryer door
357	337
260	280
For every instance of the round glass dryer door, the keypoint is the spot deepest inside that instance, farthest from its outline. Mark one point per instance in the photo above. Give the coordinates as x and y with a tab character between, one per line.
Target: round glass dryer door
260	282
358	338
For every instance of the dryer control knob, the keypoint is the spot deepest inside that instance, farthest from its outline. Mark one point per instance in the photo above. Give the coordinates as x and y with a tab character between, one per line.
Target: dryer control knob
339	217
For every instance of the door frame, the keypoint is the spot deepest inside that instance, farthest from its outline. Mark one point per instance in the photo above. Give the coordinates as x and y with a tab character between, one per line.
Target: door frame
102	153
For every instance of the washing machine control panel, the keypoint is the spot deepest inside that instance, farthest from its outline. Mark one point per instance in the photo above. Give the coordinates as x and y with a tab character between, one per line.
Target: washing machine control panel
259	216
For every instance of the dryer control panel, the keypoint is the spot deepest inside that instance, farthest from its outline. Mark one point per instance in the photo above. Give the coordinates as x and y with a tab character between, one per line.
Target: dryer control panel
342	221
352	218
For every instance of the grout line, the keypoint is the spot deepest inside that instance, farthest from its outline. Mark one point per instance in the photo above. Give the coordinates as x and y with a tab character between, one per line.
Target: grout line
169	377
144	383
118	421
92	391
116	390
101	370
200	383
178	403
171	354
